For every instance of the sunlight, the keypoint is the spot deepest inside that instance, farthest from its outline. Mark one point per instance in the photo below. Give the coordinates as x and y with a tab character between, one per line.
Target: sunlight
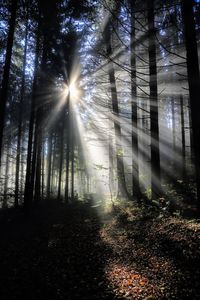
73	90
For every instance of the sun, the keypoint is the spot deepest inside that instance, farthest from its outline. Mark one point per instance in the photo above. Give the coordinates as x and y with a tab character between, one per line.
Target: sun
73	91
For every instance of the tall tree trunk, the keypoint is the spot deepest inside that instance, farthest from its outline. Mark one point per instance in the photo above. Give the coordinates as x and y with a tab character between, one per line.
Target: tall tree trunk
183	138
49	162
110	153
19	136
122	190
173	128
28	189
67	151
43	170
194	82
5	204
72	159
37	166
135	168
61	161
155	151
52	186
6	73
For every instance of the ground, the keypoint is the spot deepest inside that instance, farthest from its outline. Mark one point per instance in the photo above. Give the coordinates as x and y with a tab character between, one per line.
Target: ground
81	251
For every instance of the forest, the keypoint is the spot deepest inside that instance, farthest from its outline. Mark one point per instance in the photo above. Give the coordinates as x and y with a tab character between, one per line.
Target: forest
99	149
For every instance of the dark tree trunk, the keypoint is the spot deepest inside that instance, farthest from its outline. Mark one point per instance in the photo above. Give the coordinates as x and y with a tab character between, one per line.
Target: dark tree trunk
52	186
19	136
135	168
28	181
43	171
155	152
49	162
61	161
173	127
111	155
36	165
173	133
122	190
5	204
183	138
194	82
72	160
6	72
67	151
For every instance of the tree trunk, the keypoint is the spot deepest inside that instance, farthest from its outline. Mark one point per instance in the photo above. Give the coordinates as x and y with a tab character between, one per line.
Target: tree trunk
67	151
37	165
28	189
5	204
49	162
122	190
134	115
43	171
183	138
72	160
19	136
6	72
155	152
61	161
173	133
194	82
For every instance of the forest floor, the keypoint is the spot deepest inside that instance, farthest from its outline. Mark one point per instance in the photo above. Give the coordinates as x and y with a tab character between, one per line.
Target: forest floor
81	251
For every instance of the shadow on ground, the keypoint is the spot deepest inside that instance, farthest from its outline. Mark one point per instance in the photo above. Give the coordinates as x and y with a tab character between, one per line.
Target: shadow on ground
54	253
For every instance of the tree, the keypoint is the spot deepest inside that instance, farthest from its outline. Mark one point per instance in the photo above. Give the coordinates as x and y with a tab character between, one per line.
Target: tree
6	72
135	166
155	152
193	81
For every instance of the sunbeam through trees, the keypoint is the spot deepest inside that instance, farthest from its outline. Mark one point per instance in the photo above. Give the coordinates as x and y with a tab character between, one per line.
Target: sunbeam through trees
100	120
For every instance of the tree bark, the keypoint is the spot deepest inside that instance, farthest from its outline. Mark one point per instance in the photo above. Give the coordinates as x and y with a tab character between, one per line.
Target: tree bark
155	152
49	162
122	190
134	115
28	189
183	138
19	136
6	72
194	83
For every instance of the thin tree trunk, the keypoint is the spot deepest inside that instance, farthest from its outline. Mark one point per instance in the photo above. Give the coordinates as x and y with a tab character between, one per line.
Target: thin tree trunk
6	73
5	204
19	136
28	189
52	186
38	165
49	162
173	124
183	138
72	160
61	162
155	152
122	190
67	151
43	171
173	132
135	168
